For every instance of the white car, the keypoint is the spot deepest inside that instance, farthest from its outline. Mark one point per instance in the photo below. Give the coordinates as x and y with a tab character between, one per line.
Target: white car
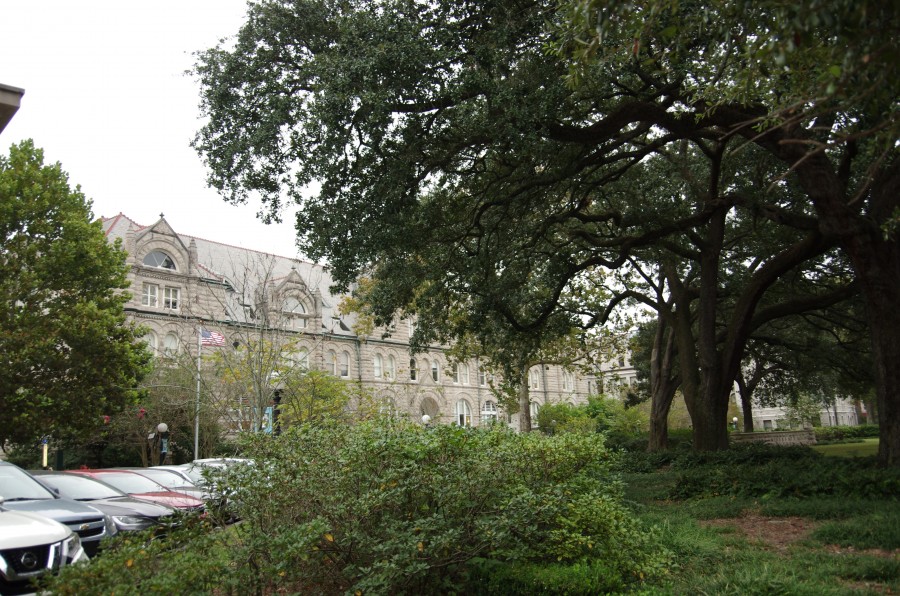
31	546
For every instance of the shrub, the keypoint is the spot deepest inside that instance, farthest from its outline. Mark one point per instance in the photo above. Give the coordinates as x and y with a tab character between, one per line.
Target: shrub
826	434
393	507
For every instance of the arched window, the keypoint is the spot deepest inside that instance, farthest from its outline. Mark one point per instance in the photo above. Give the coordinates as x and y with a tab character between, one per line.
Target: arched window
489	411
331	362
413	371
159	260
534	378
377	366
170	345
534	409
464	374
299	359
463	413
294	313
435	372
568	381
345	364
152	342
391	370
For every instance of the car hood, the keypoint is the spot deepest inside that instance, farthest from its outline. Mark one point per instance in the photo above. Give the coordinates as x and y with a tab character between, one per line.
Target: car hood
19	529
172	499
130	506
61	510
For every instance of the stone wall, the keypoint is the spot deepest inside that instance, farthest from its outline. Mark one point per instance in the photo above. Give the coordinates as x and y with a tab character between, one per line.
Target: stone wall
785	437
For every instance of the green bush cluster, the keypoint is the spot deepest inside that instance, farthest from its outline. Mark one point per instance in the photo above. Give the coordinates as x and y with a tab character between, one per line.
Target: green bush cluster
390	507
762	471
825	434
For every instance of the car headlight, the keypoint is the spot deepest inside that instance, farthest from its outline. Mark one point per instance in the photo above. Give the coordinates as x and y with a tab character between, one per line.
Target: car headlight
132	522
72	551
111	528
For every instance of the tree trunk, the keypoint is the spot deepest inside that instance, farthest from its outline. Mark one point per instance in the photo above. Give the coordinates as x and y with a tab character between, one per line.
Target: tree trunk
524	404
661	403
662	386
747	411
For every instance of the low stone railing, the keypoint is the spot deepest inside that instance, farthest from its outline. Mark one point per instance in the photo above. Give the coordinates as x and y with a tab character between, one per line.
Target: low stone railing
781	437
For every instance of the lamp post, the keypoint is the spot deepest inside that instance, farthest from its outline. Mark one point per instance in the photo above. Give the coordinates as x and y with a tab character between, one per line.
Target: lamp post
426	420
163	433
734	422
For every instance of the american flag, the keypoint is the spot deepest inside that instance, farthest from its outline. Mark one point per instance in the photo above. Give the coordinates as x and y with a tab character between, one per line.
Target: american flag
211	338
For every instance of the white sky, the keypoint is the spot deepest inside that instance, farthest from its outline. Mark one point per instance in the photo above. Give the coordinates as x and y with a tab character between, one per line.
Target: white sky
105	95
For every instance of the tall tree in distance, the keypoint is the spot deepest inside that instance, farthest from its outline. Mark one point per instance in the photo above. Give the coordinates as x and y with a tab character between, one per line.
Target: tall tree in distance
67	355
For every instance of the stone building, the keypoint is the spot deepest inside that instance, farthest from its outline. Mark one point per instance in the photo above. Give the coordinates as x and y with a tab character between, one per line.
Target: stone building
181	284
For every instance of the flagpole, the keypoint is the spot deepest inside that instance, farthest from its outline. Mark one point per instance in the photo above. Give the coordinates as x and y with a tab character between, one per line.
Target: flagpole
197	409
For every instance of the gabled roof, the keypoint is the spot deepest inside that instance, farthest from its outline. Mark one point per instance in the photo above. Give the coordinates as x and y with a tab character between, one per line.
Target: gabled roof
243	269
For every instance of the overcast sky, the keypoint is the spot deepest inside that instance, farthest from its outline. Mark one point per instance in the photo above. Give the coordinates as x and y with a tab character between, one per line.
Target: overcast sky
105	95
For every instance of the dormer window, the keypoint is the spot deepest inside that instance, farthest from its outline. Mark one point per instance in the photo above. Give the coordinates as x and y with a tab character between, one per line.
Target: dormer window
160	260
294	313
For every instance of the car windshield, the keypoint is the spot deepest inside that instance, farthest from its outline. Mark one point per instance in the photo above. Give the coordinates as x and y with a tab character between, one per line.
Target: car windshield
80	488
169	479
131	483
18	485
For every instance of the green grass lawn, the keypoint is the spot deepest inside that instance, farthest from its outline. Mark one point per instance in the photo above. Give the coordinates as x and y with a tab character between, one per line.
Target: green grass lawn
864	448
756	538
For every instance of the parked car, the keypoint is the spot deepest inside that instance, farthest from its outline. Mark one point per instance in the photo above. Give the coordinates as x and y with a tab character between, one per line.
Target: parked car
172	481
141	487
32	546
21	492
128	513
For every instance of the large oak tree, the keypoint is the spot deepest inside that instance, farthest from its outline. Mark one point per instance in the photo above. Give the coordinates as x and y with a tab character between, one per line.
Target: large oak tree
459	166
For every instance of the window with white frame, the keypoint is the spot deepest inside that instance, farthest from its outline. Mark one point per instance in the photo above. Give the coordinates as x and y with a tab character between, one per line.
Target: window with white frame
390	371
294	313
534	408
331	362
482	376
160	260
150	295
170	345
435	372
463	413
377	366
534	378
488	411
464	373
454	371
413	370
300	359
171	298
152	341
568	381
345	364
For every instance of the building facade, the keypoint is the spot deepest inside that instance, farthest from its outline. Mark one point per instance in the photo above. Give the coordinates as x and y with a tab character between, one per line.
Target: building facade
182	284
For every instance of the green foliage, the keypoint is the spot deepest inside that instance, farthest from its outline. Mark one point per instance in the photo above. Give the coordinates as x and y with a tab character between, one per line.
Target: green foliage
391	507
843	433
876	530
191	557
69	355
317	397
767	472
587	578
565	417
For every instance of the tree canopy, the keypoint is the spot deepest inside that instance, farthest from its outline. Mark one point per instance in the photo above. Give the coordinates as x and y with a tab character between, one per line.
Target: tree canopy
68	355
469	158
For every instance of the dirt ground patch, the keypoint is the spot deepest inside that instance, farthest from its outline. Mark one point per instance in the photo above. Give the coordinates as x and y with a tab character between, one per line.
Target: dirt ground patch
776	532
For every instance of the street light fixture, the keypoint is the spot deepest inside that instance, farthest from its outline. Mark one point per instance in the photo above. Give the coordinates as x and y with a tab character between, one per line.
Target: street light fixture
163	429
734	422
426	420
